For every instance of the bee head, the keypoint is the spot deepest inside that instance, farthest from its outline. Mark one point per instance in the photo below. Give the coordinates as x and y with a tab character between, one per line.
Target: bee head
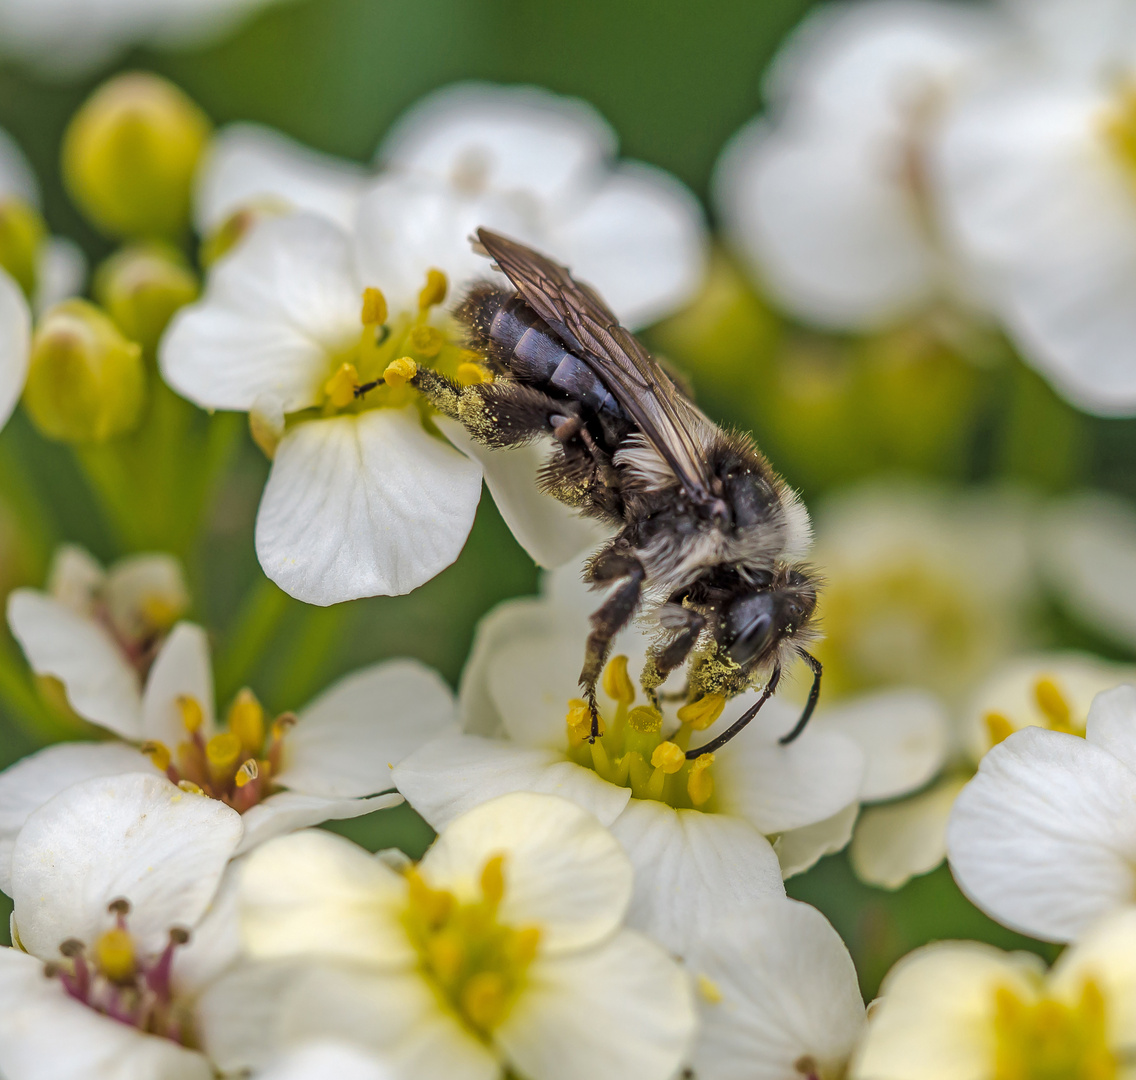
754	622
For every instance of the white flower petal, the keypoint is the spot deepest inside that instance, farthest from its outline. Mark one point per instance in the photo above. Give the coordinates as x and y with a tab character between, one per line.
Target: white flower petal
317	894
621	1010
367	505
248	164
783	988
215	944
47	1035
323	1059
505	138
352	735
902	840
564	872
139	583
1106	954
800	849
691	868
75	578
455	773
135	837
1043	839
1112	723
31	781
61	270
17	178
904	734
287	811
532	679
273	315
549	531
181	669
101	684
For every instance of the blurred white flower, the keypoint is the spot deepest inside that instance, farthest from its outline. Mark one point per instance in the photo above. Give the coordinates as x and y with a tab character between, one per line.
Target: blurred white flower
119	898
325	763
324	1059
698	831
956	1010
501	952
831	202
69	38
15	345
1043	839
777	993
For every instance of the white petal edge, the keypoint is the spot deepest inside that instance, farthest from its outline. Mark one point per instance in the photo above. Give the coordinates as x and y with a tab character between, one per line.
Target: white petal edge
181	669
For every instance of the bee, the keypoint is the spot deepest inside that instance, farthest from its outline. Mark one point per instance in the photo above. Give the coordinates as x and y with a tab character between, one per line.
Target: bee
708	536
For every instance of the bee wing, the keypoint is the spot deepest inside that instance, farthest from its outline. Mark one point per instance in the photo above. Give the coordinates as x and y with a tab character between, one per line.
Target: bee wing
587	327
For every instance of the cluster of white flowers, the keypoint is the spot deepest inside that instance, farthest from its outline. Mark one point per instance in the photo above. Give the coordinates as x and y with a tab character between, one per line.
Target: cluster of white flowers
922	155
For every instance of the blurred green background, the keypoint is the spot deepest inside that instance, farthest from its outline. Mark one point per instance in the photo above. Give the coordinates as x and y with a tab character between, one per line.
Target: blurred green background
675	80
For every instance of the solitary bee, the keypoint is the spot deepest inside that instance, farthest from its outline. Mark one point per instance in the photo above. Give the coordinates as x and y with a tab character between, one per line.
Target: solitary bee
709	535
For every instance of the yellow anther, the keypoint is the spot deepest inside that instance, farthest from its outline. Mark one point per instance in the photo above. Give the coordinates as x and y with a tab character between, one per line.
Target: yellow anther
483	999
472	374
493	880
192	715
525	943
700	784
578	716
400	371
616	682
374	307
340	388
190	787
434	291
668	757
222	754
445	952
645	720
432	906
998	727
702	713
708	988
114	954
248	772
158	753
1052	703
246	720
160	611
426	340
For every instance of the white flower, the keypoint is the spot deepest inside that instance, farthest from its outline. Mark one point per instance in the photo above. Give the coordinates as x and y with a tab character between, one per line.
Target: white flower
778	996
324	1059
956	1010
1044	837
325	763
832	204
119	897
501	951
15	345
697	832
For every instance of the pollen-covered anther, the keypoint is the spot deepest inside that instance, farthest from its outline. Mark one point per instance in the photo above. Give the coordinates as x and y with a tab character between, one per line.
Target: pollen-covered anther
426	340
400	371
700	784
340	388
702	713
645	720
617	683
375	310
668	757
434	291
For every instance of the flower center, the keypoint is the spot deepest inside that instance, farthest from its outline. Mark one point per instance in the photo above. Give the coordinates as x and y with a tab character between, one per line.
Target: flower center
1054	712
111	978
236	766
1051	1040
632	752
476	962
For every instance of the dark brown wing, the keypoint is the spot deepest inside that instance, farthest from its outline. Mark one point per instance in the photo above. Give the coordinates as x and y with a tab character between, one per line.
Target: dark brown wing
585	325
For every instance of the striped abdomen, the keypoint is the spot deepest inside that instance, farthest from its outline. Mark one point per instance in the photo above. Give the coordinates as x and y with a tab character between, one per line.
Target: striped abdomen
512	335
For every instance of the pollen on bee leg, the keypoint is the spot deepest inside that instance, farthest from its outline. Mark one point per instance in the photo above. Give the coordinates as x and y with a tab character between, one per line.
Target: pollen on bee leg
340	388
434	291
702	713
616	682
400	371
374	307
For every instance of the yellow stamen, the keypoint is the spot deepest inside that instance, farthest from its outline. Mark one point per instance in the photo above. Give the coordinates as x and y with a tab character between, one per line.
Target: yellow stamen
158	753
1052	703
700	785
445	953
483	999
668	757
340	388
998	727
114	954
246	720
192	715
471	374
400	371
702	713
493	880
374	307
222	753
190	787
248	772
709	989
426	341
525	943
159	611
431	905
616	682
645	720
434	291
282	725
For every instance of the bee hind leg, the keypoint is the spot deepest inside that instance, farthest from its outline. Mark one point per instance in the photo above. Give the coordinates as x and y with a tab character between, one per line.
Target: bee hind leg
611	617
661	661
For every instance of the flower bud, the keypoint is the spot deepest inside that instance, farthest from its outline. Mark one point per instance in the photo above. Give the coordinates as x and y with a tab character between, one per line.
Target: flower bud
141	287
129	156
22	233
86	382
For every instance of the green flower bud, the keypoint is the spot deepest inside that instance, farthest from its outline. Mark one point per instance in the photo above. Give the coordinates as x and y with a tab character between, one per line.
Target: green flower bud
129	156
141	287
86	382
22	233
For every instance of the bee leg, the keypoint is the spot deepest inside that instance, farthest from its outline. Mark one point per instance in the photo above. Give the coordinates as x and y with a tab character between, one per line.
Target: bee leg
721	740
609	619
662	661
814	693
